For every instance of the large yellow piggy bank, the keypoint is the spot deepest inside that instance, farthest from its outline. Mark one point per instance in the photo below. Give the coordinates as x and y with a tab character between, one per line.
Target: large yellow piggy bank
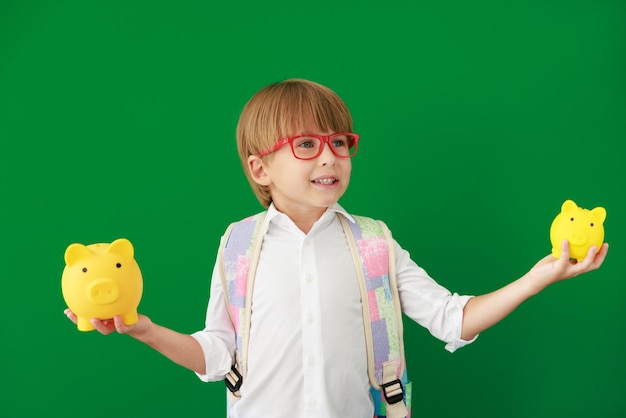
102	281
583	228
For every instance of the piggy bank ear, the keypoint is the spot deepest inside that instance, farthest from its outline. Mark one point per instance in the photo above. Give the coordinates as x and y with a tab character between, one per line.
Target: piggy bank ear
599	214
76	251
568	205
123	247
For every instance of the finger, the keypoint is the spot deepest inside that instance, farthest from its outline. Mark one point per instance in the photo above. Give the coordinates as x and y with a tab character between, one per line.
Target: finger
601	255
588	260
565	250
119	325
102	326
564	261
71	315
594	258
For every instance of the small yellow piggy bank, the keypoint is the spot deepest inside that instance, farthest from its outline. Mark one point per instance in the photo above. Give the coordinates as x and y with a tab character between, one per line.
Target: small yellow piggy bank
102	281
583	228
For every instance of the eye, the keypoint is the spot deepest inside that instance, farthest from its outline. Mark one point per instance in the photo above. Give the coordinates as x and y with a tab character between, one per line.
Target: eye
591	223
340	141
118	265
572	219
305	143
84	269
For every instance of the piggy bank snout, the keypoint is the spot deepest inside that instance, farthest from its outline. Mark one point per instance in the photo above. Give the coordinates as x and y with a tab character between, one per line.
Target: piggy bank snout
103	291
577	238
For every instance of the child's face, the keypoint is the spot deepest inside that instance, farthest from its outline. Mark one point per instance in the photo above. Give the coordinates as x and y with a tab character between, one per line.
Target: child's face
303	186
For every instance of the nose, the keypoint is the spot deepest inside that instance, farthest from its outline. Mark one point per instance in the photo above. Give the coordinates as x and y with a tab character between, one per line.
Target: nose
578	238
327	156
103	291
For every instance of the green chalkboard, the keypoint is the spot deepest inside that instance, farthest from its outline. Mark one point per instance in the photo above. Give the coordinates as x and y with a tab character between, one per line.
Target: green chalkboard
477	120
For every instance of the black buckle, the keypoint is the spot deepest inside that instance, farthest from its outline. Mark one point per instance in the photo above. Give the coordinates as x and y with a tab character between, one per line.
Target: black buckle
237	378
392	399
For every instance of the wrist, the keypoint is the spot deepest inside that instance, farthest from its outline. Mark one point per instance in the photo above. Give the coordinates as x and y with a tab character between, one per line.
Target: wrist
533	283
143	330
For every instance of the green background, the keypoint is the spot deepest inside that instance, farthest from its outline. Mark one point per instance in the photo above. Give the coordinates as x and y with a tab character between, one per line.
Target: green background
478	119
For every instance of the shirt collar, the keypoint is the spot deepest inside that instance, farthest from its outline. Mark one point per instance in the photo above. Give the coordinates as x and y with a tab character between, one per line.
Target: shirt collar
340	210
274	214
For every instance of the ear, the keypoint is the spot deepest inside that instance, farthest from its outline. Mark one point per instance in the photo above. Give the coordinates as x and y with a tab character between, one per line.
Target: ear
258	171
599	214
568	205
123	247
75	252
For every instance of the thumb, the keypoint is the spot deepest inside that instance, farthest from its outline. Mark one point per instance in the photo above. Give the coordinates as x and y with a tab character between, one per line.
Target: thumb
120	326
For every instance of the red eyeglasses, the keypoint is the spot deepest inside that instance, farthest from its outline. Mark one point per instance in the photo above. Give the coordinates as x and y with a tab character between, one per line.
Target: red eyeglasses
309	146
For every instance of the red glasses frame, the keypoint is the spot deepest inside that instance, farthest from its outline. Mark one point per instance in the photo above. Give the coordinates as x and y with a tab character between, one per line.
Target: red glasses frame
324	139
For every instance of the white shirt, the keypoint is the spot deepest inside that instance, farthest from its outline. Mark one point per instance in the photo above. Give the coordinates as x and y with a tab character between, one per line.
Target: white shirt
307	355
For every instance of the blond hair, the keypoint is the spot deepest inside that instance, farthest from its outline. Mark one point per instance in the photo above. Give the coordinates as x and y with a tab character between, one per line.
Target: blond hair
282	109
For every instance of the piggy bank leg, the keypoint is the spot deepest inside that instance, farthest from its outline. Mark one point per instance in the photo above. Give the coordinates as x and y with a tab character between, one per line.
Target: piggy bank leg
130	318
84	324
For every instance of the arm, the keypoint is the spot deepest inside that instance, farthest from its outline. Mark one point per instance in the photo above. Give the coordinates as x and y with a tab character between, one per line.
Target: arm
182	349
209	353
481	312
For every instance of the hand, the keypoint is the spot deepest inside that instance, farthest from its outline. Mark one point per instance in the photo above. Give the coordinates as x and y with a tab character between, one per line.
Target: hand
551	270
108	326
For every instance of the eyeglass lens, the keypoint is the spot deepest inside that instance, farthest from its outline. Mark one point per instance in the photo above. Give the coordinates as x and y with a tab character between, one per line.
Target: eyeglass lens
307	147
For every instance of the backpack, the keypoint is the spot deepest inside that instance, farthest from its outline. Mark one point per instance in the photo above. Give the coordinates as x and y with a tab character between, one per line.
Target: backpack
371	246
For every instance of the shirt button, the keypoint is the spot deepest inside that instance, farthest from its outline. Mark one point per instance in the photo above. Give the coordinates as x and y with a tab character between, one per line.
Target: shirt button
310	319
311	362
309	278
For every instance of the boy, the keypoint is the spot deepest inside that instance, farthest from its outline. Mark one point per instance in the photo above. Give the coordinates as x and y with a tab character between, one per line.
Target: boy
307	351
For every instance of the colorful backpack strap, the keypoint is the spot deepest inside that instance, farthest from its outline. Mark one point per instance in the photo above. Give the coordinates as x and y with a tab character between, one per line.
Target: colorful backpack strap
372	251
239	256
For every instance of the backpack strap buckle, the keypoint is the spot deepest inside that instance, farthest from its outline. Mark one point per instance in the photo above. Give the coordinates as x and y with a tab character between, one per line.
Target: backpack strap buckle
393	391
233	379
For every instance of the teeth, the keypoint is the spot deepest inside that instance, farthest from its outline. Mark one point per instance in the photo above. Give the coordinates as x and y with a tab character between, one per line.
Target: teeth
325	181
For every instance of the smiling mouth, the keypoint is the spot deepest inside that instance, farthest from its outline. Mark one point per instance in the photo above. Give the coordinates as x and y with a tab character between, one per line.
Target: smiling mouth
325	181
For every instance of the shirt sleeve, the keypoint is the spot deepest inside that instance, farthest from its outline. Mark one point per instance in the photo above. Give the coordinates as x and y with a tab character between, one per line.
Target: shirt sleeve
218	336
428	303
